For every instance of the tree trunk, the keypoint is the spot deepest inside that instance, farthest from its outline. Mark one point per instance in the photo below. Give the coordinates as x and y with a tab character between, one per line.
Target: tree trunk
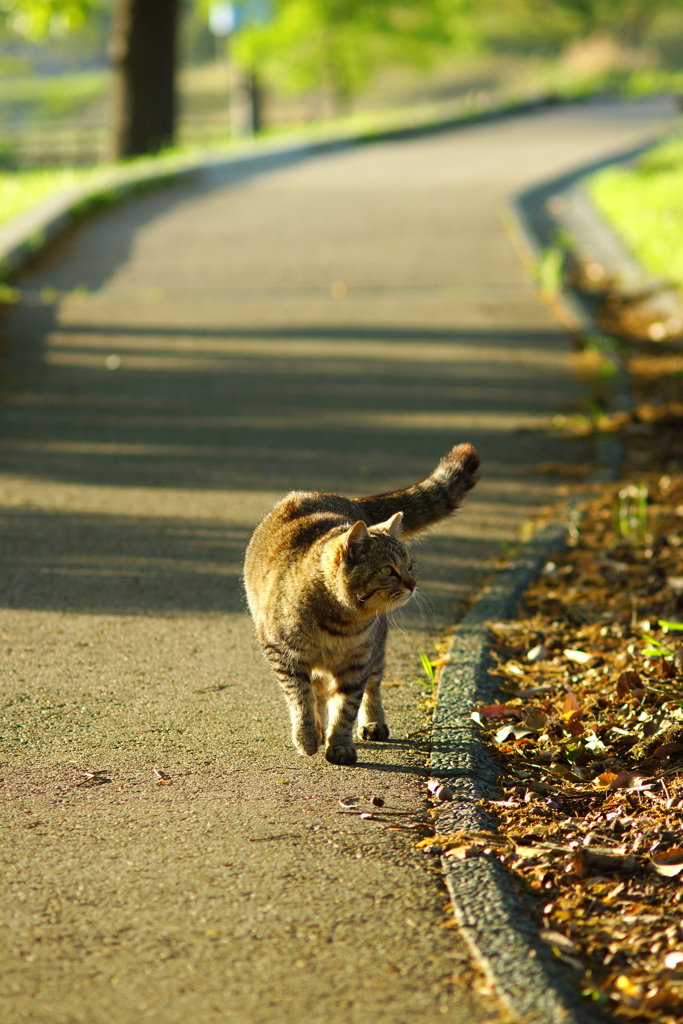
143	54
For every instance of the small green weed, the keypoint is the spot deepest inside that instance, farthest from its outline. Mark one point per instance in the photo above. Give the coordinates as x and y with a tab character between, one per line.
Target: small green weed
428	669
630	513
657	648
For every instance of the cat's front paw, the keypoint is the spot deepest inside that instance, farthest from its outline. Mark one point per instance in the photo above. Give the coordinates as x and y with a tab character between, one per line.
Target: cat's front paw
374	731
341	754
308	741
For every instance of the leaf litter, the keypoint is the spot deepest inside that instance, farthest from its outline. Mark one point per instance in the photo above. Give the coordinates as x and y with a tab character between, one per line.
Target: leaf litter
591	751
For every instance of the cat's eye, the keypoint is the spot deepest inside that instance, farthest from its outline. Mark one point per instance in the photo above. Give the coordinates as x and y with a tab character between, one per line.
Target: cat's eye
386	570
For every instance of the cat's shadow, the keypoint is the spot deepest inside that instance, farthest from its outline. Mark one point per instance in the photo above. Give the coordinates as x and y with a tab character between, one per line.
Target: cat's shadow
397	769
394	769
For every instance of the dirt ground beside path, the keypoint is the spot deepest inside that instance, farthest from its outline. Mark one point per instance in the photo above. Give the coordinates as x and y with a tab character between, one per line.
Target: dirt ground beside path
199	360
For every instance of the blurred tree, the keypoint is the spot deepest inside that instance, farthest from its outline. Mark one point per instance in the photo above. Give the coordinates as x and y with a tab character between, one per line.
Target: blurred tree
143	53
142	50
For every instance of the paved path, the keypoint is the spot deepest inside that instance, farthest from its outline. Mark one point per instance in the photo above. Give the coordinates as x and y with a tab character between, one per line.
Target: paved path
336	323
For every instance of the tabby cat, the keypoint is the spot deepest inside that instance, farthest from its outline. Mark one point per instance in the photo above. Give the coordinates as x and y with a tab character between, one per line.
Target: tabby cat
321	573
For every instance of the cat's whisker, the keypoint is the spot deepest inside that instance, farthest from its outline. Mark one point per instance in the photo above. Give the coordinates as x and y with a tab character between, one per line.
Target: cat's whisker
427	610
391	619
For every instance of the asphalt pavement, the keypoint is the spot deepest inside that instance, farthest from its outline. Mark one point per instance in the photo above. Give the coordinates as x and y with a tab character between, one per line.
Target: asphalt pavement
178	363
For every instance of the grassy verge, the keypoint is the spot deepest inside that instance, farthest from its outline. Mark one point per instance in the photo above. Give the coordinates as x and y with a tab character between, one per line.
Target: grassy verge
644	204
20	190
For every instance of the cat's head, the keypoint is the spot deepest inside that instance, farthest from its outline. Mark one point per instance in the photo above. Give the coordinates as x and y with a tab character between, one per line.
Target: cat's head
378	572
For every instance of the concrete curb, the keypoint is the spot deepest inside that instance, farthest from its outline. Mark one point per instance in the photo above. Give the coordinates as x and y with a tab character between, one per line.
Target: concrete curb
562	208
535	228
23	238
489	905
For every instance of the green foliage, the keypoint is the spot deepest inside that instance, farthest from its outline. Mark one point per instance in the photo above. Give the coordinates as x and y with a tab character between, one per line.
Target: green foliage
529	24
341	43
627	20
35	19
338	45
644	205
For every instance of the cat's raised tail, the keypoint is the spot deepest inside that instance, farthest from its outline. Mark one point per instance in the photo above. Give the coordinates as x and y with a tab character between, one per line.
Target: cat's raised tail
430	500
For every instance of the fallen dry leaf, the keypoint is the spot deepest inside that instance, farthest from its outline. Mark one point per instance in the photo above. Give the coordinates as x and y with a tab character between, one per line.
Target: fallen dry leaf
665	749
463	852
668	864
624	780
533	691
536	720
571	703
498	711
626	682
558	939
580	657
537	653
607	860
605	780
660	998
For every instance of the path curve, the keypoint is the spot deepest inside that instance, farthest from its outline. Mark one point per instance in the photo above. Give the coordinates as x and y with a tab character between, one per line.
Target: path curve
336	324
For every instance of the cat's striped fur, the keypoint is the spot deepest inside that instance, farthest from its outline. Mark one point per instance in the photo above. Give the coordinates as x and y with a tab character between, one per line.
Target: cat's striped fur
321	573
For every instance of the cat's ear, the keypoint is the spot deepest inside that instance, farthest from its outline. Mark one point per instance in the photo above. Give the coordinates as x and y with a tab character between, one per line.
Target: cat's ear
356	539
394	526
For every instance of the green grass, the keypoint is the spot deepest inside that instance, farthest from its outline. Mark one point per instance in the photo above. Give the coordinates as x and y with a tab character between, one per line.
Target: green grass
645	205
20	190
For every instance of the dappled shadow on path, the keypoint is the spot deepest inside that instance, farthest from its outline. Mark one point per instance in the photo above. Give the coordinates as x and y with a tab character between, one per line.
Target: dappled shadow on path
149	565
262	413
317	408
119	564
